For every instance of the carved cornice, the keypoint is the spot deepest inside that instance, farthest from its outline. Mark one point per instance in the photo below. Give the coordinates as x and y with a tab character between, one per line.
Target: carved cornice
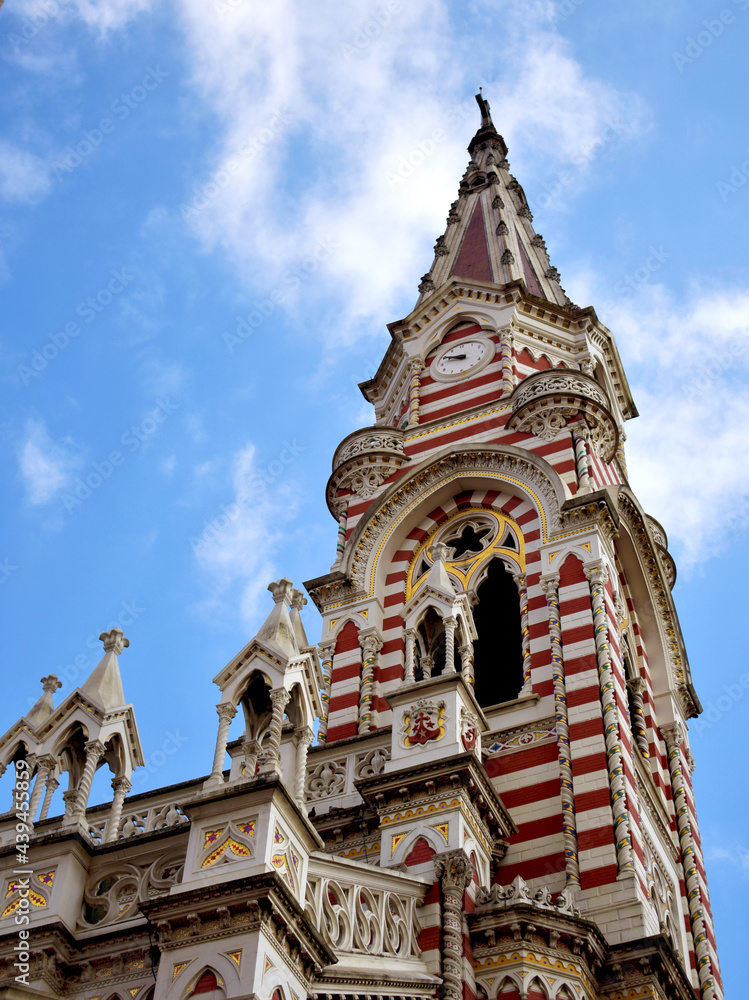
242	905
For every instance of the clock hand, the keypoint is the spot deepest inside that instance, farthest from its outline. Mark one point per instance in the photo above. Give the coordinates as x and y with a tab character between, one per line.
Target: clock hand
454	357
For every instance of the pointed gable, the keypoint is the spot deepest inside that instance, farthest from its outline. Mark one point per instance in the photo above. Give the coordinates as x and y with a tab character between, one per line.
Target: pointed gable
473	259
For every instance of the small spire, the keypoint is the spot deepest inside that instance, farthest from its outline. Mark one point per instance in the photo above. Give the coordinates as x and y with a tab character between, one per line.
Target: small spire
43	708
277	630
104	685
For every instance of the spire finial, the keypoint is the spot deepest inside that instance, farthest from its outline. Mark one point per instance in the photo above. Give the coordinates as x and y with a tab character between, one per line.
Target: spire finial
486	117
50	684
114	641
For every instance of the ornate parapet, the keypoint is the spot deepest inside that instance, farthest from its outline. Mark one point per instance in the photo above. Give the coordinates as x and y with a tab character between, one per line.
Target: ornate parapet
543	404
363	461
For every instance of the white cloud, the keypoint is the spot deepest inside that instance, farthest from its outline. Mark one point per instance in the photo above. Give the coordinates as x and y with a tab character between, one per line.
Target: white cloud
105	15
738	856
24	176
45	467
279	77
687	363
238	544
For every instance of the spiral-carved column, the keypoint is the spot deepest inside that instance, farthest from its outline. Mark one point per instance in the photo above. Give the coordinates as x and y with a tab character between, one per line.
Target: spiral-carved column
450	623
674	736
415	368
94	752
45	767
580	438
410	664
326	650
505	350
614	760
120	786
466	662
279	699
569	818
304	739
226	712
525	628
639	728
341	512
371	645
51	786
454	871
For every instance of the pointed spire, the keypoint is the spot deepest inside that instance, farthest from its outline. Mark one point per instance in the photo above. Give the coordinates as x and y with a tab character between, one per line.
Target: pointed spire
438	578
44	707
489	235
277	630
298	600
104	686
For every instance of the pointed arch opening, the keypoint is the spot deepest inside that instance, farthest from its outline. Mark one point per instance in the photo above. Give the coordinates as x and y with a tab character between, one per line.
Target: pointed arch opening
498	651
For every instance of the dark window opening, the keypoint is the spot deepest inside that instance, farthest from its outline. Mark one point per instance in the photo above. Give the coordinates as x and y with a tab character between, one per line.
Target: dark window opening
432	633
498	652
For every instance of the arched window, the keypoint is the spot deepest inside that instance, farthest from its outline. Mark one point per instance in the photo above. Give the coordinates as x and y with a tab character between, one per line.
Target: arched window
498	652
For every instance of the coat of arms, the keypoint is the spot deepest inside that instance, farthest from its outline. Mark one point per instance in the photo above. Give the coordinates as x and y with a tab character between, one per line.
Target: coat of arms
470	733
423	721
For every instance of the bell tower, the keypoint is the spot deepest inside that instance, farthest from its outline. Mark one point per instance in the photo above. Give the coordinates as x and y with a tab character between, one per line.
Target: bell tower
499	594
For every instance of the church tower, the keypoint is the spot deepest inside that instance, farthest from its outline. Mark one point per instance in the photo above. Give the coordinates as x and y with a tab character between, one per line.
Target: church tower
497	582
496	802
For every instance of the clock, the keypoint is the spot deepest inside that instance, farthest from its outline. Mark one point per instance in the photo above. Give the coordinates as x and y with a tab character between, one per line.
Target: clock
461	357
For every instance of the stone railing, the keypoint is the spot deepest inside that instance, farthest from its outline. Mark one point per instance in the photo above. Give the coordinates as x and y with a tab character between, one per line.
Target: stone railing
331	775
364	460
364	909
158	817
375	440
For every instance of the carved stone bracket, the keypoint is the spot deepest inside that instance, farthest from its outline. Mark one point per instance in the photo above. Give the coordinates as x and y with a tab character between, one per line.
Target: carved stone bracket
544	402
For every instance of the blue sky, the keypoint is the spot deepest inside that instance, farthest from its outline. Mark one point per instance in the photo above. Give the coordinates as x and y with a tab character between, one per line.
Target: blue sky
206	222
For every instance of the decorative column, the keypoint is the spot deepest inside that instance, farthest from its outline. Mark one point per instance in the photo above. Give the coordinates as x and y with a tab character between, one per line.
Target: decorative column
44	767
326	650
639	729
427	666
674	737
251	750
450	623
340	506
525	628
226	712
371	644
580	438
94	752
454	871
408	673
304	739
279	699
569	819
415	368
505	350
49	790
597	577
121	787
466	662
69	798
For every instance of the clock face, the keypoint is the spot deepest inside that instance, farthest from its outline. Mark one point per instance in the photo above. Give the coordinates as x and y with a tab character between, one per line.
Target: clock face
460	357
